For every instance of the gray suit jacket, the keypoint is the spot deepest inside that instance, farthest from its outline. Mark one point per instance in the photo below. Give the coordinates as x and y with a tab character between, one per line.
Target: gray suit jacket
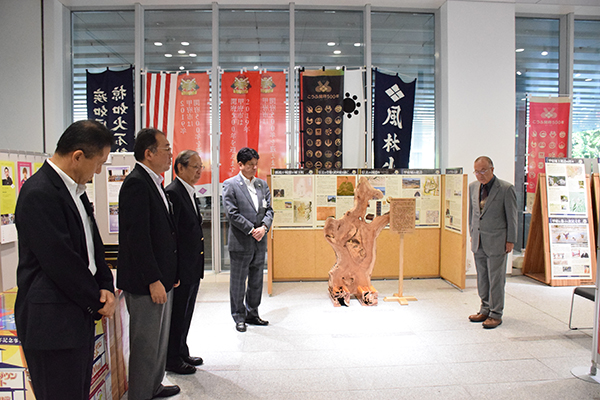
241	213
496	224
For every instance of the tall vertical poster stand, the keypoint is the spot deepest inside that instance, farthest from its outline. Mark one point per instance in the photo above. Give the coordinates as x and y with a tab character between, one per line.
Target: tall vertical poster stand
561	244
590	374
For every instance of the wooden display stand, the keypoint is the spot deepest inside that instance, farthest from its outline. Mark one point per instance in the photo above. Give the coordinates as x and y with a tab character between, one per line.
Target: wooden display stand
303	254
537	263
402	220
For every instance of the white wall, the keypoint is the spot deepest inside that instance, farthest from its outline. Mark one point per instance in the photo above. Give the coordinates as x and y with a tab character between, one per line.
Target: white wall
21	75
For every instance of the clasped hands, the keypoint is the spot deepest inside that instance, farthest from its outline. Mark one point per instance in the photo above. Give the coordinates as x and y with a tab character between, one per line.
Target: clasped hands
258	233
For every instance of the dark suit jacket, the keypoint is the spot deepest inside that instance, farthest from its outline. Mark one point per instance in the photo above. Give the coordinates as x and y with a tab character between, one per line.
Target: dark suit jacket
58	297
241	213
190	240
147	237
496	224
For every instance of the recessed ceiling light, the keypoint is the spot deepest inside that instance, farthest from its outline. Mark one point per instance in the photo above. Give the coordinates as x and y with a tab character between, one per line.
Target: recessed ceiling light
588	80
192	54
518	72
337	52
168	55
577	75
256	67
182	67
158	43
356	44
544	53
330	44
181	51
519	50
338	68
185	43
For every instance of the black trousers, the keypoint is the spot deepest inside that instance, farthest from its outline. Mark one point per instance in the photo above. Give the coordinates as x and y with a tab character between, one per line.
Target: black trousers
184	300
61	374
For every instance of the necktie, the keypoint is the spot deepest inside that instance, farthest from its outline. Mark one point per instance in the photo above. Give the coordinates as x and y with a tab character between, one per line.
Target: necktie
483	194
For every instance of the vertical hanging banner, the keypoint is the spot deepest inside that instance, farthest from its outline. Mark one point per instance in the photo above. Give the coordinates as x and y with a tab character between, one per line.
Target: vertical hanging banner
159	101
394	109
240	117
548	134
110	101
272	133
191	129
354	120
321	122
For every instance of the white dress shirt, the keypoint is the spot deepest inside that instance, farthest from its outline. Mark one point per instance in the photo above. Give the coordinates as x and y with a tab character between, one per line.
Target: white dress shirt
76	190
158	180
191	191
251	189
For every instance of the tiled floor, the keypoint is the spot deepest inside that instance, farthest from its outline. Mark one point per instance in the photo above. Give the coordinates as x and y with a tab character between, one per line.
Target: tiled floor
426	350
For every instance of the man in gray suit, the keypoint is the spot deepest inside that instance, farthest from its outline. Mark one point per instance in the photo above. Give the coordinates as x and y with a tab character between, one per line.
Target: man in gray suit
493	228
247	201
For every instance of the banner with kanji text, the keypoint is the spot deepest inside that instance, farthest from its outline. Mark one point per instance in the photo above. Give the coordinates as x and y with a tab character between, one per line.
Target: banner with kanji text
272	133
321	118
191	127
393	120
110	102
548	134
240	117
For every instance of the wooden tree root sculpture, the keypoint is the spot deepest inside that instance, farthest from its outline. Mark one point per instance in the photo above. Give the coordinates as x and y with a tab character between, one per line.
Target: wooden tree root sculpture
353	239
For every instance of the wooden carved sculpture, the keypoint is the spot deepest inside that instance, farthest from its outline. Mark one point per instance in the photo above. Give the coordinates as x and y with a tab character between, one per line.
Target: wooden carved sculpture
353	240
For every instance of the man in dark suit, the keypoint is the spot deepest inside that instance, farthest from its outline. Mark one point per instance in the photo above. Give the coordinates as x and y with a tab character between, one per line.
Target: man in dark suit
63	280
147	264
190	259
247	201
493	228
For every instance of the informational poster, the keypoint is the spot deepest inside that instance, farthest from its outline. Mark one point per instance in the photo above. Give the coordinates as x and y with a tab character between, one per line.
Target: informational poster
23	172
8	201
293	197
567	187
306	198
36	166
424	186
115	177
388	181
453	210
568	218
334	193
570	247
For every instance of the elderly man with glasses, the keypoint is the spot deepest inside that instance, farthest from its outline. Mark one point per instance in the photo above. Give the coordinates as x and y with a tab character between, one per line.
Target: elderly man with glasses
493	229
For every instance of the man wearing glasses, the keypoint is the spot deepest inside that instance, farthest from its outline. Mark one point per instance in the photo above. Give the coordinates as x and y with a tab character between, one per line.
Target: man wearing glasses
190	259
493	228
147	265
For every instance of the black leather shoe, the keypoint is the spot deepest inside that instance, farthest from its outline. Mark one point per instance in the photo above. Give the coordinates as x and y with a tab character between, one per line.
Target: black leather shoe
193	360
167	391
256	321
240	326
181	368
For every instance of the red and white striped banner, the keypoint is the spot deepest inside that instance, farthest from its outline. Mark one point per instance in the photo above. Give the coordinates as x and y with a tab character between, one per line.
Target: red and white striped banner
159	94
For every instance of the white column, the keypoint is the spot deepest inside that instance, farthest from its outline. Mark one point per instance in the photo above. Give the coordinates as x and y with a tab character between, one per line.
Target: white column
478	85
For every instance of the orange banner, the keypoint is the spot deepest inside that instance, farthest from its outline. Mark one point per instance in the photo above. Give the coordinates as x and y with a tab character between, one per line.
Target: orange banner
192	119
272	143
240	107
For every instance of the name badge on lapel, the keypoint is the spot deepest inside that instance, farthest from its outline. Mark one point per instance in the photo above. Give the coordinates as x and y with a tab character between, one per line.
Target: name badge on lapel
264	203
